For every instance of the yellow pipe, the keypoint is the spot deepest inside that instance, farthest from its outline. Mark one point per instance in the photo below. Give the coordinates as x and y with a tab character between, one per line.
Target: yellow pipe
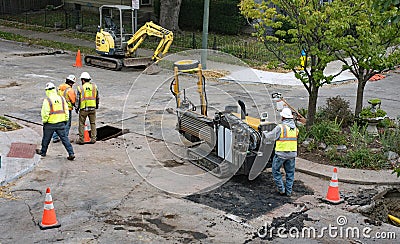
394	219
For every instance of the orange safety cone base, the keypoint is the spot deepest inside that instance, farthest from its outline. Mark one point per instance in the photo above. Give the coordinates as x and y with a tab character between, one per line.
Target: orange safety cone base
333	201
45	227
86	136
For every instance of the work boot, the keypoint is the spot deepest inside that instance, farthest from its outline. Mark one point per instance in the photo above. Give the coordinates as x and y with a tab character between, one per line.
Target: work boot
38	151
71	157
92	141
79	142
56	140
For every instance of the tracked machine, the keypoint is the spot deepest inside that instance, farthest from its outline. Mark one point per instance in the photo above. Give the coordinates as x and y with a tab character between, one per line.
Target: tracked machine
117	44
228	143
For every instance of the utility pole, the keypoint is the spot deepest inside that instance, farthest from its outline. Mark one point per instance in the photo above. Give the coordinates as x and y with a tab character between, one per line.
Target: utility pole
205	34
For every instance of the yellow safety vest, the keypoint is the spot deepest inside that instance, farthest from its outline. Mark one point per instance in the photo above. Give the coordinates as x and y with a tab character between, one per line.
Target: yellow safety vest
287	141
88	95
57	109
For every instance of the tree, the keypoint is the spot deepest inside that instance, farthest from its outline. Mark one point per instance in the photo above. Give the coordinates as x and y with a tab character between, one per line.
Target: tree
365	40
389	5
309	21
169	14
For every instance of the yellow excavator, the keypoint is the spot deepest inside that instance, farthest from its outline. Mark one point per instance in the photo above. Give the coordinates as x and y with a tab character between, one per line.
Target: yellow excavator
117	46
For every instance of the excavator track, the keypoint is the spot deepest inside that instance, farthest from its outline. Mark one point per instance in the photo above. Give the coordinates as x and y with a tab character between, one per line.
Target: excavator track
210	163
103	62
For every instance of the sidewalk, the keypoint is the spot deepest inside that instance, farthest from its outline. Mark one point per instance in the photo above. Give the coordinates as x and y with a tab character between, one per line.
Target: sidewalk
352	176
15	167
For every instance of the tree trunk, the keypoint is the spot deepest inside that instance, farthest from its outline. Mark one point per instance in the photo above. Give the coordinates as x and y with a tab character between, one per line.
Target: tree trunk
169	14
312	106
360	97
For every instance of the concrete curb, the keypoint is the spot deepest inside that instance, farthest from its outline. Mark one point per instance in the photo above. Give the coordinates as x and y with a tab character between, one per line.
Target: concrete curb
352	176
13	168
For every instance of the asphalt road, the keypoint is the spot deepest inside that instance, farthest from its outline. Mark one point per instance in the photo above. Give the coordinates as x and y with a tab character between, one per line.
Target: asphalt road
133	189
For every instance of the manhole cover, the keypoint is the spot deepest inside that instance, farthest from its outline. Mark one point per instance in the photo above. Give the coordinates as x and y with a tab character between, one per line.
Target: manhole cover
21	150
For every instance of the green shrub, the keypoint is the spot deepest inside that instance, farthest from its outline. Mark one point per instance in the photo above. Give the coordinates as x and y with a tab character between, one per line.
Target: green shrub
366	113
387	123
224	16
362	158
337	108
329	132
303	135
390	140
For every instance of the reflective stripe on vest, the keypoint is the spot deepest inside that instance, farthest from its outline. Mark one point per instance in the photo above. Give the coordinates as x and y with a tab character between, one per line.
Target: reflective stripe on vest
287	141
57	113
88	95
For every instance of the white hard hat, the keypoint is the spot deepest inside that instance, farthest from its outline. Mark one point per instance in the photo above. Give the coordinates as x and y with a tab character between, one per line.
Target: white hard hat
49	86
85	75
287	113
71	78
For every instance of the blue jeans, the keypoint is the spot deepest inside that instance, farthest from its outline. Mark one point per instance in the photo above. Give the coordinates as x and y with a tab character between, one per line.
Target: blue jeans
289	167
59	129
67	127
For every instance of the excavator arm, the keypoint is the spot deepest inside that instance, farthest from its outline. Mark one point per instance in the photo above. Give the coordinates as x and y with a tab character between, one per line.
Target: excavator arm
151	29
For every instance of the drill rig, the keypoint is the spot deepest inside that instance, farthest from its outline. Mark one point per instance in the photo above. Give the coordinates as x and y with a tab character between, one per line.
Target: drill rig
227	144
117	46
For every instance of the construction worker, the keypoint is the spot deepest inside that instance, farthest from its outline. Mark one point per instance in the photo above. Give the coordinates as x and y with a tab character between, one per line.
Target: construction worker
285	137
54	117
87	101
65	90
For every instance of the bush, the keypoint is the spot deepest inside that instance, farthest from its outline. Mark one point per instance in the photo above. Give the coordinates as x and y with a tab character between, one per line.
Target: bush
366	113
362	158
224	16
390	140
337	108
329	132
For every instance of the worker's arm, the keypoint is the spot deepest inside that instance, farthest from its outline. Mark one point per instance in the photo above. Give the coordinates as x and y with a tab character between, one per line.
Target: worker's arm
72	96
66	110
77	101
45	111
273	135
97	98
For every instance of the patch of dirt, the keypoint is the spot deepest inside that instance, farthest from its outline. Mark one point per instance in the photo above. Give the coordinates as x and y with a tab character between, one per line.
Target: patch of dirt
378	206
8	125
6	194
11	84
248	199
156	226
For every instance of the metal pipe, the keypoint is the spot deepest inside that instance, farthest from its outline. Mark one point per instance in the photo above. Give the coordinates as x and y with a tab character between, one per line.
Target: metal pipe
28	121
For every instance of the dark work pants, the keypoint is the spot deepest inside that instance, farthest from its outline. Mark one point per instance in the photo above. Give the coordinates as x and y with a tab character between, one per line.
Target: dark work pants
59	128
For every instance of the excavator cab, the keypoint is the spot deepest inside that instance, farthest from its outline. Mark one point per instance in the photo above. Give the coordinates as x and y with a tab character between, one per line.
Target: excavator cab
117	24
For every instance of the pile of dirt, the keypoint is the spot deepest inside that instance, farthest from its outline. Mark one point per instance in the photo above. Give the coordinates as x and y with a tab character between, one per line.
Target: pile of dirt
248	199
7	125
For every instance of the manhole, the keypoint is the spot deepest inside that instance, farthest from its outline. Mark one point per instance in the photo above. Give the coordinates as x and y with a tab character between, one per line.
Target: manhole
21	150
107	132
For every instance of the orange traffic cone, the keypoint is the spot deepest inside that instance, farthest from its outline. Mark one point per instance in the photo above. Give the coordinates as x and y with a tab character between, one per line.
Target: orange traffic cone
86	136
78	62
333	195
49	219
